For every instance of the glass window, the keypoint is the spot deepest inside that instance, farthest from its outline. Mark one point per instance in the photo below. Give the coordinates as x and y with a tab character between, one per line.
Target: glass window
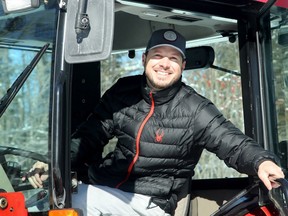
24	125
280	66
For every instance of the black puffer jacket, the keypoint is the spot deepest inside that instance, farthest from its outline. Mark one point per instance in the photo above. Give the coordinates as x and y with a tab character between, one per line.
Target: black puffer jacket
160	138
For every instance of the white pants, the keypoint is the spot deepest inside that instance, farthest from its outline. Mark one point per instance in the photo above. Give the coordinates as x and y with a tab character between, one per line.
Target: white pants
96	200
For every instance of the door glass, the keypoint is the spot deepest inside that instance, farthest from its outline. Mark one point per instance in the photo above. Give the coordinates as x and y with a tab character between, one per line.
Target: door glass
280	66
24	126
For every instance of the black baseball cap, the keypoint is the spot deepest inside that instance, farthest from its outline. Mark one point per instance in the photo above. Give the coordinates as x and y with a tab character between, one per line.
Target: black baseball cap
167	37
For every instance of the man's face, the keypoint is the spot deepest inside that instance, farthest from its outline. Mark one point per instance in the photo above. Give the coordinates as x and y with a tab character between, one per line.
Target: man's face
163	67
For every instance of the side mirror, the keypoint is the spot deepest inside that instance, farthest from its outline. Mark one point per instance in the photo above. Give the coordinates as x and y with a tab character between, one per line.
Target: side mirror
89	30
10	6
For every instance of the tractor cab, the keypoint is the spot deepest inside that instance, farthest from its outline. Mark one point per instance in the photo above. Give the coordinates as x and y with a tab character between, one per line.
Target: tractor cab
59	57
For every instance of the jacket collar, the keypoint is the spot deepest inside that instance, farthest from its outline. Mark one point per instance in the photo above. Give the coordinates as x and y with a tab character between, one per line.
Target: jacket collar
162	96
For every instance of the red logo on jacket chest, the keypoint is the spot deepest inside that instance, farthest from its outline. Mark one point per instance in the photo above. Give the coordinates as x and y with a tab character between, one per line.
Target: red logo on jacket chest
159	135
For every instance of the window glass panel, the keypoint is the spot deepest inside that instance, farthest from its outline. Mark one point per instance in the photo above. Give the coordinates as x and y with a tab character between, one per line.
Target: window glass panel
280	66
24	126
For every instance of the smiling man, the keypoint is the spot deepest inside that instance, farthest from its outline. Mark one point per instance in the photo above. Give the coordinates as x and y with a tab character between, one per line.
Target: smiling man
162	126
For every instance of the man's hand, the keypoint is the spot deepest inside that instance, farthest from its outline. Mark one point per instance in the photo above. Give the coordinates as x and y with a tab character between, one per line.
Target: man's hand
38	174
268	172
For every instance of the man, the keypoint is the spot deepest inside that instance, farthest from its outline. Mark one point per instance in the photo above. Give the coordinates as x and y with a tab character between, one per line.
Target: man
162	126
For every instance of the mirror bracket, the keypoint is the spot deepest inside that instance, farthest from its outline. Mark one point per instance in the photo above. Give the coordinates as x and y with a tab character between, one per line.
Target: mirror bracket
82	22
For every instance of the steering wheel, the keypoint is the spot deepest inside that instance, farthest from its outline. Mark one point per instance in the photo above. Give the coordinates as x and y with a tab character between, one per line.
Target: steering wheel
4	150
256	193
40	197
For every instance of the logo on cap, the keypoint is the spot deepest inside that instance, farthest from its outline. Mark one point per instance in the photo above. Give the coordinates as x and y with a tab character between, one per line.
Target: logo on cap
170	36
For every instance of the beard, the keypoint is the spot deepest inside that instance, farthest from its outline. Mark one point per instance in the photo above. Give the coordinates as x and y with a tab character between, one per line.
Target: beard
157	83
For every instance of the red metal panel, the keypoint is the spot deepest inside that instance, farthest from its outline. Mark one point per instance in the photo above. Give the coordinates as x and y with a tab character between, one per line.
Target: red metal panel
12	204
280	3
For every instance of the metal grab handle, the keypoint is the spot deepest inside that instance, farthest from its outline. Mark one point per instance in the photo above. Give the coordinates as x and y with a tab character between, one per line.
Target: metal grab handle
284	186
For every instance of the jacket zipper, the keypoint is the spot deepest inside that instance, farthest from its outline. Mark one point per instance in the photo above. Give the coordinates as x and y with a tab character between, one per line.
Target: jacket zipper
138	141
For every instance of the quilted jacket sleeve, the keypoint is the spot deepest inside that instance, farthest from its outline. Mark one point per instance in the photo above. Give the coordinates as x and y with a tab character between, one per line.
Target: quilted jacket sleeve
220	136
96	132
93	134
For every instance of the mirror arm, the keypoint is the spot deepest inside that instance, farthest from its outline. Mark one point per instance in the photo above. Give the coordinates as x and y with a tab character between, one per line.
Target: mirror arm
82	19
225	70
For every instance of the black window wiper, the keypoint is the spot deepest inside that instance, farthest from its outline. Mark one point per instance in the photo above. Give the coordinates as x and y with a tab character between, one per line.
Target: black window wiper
18	83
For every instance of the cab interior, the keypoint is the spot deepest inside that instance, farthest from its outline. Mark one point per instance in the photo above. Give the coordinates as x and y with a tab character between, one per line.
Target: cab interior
198	21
